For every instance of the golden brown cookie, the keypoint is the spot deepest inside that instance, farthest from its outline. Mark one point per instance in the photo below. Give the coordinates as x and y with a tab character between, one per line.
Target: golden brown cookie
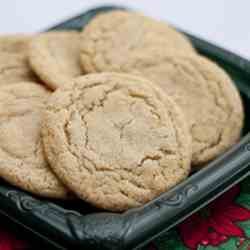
14	68
14	65
54	57
116	140
22	161
112	38
206	94
15	43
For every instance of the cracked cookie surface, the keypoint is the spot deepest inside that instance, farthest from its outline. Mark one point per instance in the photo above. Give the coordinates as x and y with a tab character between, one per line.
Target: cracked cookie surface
14	66
22	160
54	56
206	94
115	140
111	39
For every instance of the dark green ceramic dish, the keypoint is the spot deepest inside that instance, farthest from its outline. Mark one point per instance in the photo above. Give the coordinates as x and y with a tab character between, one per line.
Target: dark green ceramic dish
79	226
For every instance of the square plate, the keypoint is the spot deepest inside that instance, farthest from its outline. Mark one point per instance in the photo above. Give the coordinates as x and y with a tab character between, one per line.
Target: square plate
78	225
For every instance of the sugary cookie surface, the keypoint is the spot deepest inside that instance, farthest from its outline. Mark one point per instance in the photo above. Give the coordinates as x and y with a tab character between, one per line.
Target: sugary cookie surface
115	140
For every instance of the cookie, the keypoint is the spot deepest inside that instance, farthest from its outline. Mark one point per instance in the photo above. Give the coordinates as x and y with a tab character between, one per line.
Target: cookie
206	94
55	57
14	65
14	43
22	161
115	140
14	68
112	38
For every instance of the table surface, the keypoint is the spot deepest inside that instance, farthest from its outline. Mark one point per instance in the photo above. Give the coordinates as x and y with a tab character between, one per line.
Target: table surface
223	22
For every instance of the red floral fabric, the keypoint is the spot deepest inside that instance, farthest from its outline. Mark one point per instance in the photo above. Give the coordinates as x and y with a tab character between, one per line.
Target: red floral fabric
216	222
8	241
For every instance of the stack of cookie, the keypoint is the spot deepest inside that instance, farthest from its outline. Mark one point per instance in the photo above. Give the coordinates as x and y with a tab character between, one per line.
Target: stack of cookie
115	115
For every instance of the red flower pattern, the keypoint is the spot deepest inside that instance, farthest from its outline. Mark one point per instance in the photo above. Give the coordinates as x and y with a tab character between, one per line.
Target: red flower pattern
9	242
214	224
